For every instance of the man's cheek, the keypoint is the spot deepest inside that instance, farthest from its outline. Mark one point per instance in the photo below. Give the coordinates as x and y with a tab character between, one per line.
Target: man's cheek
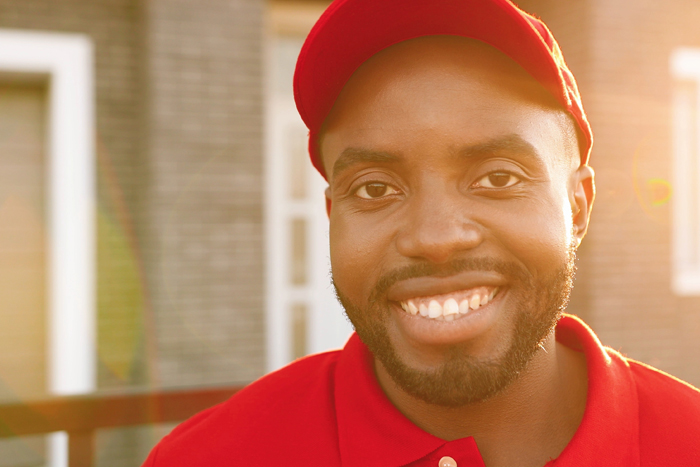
356	255
540	248
346	256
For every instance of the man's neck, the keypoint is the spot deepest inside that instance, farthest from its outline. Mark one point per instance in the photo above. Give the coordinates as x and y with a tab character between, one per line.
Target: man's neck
527	424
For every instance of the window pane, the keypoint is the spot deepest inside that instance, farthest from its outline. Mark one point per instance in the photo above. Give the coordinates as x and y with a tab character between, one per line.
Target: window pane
22	259
298	273
298	160
298	321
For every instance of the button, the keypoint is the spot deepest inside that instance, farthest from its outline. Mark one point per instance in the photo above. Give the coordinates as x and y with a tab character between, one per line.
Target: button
447	461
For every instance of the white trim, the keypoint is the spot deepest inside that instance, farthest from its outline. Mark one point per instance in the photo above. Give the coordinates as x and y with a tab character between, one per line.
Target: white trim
58	449
685	66
67	60
685	63
278	339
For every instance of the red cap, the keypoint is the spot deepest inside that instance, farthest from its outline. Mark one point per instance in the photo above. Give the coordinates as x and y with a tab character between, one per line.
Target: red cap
351	31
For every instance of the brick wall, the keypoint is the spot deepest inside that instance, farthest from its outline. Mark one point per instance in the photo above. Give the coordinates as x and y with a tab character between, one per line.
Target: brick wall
203	203
201	224
620	53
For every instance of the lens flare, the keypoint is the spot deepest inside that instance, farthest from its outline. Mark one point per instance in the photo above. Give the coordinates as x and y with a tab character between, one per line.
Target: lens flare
660	191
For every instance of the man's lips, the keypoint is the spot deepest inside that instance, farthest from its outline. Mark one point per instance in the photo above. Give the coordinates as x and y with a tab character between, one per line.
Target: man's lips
451	306
429	286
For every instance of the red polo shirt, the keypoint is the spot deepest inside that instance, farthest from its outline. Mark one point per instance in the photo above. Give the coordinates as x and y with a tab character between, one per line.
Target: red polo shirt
328	410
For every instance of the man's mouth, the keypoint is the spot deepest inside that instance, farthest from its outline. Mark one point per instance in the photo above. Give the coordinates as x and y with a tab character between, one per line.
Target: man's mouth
450	306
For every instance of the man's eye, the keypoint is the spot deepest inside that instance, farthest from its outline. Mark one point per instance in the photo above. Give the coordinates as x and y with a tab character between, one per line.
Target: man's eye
375	190
497	180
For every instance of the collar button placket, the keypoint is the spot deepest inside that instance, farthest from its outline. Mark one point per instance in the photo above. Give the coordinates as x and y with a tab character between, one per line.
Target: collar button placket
461	452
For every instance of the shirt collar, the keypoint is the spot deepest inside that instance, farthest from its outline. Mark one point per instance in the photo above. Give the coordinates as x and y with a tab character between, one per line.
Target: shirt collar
609	432
372	431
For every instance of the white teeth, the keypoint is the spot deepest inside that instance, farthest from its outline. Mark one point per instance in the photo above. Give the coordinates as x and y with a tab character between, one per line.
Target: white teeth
451	307
435	309
475	302
423	309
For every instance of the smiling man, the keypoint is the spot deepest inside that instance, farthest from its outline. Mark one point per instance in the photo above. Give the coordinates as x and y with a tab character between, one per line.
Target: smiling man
455	146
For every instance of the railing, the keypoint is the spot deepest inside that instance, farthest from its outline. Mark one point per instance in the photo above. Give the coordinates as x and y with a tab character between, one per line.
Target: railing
81	416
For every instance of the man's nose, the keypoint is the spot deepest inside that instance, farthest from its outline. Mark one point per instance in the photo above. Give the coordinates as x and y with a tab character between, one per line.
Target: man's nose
439	227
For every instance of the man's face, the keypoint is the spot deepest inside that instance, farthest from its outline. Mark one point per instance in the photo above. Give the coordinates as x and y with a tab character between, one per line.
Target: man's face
454	189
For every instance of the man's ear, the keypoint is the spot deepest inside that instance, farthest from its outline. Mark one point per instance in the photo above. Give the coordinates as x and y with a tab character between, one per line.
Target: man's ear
582	200
328	201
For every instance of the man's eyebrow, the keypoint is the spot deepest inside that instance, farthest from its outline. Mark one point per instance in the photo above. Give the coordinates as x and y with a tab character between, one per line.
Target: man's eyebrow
509	144
354	156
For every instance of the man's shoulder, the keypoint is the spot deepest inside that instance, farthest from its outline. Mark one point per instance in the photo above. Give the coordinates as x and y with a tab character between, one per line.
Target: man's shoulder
304	385
669	416
286	407
656	388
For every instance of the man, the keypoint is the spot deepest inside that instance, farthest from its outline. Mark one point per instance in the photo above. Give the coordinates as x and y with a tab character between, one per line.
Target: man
455	146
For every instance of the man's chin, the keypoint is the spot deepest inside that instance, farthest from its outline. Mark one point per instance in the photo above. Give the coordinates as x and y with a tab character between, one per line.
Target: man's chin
462	379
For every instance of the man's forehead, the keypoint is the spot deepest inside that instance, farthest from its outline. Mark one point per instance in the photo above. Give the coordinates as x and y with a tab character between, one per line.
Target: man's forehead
426	77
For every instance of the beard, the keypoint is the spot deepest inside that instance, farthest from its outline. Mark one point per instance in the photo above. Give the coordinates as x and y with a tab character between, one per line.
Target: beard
463	379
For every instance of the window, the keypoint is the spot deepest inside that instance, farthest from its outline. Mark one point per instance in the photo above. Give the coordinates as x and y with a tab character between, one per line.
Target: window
64	63
303	315
685	67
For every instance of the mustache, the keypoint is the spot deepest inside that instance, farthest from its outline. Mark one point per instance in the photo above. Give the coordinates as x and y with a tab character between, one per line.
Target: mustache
511	270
